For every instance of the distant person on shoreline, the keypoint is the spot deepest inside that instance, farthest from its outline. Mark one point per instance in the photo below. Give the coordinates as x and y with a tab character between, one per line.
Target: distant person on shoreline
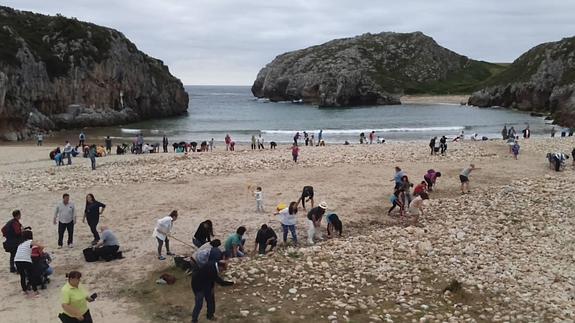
232	145
361	138
253	142
165	143
504	132
273	145
82	138
515	149
311	140
228	140
296	138
306	138
39	139
511	133
212	144
443	145
108	143
260	141
371	137
432	144
552	131
295	152
464	178
319	136
526	132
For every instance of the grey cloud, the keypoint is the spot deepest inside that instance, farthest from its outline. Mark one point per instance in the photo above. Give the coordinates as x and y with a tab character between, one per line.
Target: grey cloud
228	41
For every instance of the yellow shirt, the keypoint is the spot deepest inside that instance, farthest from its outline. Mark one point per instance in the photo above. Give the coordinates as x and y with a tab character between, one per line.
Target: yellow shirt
75	297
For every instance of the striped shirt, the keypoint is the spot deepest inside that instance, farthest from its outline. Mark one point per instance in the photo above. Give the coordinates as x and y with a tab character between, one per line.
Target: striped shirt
24	252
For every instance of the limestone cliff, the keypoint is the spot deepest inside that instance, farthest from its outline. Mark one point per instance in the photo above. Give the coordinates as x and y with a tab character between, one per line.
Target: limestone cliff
369	69
58	73
542	79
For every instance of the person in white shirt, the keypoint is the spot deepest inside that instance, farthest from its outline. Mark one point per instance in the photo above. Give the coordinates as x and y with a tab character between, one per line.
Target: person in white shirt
146	149
65	217
417	202
23	262
259	199
288	220
162	231
260	142
67	152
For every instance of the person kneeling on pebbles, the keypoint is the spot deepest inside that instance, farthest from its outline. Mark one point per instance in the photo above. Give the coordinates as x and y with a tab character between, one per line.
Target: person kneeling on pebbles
234	245
333	223
314	217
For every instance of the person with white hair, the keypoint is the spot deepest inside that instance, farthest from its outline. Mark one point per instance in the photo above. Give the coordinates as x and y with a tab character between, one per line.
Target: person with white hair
107	248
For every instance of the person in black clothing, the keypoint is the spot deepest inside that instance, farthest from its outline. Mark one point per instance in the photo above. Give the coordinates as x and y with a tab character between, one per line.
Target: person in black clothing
203	286
307	192
265	237
165	143
443	145
108	142
204	233
92	213
432	144
12	231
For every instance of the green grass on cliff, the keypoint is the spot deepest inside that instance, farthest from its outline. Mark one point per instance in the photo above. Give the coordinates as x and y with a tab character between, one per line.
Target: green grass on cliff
44	35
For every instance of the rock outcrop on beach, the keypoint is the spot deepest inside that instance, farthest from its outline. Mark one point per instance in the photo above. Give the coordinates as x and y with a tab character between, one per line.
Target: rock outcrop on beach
58	73
542	79
369	69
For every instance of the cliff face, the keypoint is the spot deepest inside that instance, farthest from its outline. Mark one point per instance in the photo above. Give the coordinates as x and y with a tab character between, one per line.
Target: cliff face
542	79
369	69
58	73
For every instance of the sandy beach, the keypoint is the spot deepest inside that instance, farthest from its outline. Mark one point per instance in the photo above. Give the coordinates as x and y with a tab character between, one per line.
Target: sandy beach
434	99
509	243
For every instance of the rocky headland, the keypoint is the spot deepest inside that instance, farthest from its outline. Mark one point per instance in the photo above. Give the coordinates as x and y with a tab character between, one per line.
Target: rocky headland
542	79
58	73
369	69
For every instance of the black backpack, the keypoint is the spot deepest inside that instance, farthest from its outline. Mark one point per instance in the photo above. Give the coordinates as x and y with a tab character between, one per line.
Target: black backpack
90	255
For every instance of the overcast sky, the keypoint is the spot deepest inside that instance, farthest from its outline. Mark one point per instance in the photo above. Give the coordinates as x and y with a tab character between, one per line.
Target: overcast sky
227	41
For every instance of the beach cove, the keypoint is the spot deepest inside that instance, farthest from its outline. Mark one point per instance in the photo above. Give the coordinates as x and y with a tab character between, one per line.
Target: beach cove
506	243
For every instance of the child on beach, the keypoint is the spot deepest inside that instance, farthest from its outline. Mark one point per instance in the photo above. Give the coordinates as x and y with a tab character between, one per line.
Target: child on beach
515	149
295	152
417	202
333	224
396	200
259	199
420	188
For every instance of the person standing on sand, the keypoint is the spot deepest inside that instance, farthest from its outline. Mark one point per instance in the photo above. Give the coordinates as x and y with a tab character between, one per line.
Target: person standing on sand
504	132
432	144
23	262
232	145
311	141
552	131
260	142
212	144
464	178
314	217
259	195
227	140
39	139
165	143
319	136
162	231
67	152
288	221
295	152
92	213
65	217
296	138
82	139
306	138
515	149
12	232
253	142
443	145
74	299
203	283
108	143
92	153
526	131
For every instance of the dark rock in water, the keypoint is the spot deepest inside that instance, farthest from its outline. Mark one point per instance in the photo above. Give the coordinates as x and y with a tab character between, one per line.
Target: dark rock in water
541	80
370	69
537	114
58	73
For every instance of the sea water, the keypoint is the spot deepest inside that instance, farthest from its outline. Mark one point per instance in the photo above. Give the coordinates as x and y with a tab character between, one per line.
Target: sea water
215	111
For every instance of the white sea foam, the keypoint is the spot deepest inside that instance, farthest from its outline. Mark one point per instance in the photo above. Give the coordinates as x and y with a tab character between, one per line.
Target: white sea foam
366	131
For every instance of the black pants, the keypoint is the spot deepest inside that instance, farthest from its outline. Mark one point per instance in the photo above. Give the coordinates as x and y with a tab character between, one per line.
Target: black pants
165	148
261	146
429	183
443	148
62	227
12	249
93	223
26	277
208	295
67	319
161	243
262	246
107	252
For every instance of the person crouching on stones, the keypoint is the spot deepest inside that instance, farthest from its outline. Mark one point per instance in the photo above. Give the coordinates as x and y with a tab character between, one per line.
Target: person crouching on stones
107	248
314	217
417	202
203	282
333	223
266	236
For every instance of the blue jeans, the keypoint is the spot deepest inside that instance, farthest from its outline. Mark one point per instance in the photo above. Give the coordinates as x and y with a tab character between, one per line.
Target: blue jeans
239	254
291	228
208	295
93	160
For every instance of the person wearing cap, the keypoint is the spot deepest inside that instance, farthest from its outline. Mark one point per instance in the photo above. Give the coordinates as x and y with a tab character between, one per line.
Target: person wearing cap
203	282
314	217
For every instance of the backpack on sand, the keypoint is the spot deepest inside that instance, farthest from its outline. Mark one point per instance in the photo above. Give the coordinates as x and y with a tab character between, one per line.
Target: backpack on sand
90	255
